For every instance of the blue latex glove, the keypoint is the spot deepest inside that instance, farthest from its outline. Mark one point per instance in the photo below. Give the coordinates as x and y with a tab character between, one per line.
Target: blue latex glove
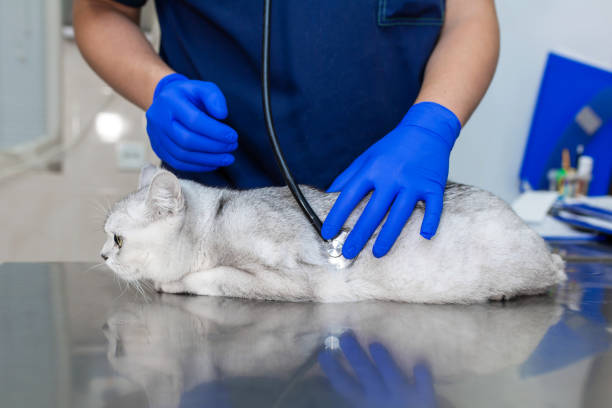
184	128
378	382
409	164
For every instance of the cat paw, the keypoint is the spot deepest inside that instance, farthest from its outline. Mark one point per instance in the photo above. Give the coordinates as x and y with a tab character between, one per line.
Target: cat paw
157	287
499	298
170	287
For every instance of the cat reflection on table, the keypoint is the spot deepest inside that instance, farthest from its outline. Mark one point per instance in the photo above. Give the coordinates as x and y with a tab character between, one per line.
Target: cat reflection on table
187	347
189	238
377	384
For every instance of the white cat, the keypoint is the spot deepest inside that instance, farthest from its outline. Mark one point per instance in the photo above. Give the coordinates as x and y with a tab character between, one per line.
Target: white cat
257	244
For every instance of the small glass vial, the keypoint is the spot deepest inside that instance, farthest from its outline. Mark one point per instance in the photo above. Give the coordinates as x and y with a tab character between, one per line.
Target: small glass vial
584	175
552	179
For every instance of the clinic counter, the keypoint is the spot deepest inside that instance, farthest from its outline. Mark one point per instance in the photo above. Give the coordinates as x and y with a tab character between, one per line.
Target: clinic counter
72	335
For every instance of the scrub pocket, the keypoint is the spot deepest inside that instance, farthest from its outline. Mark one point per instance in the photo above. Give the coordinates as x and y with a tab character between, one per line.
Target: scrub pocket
410	12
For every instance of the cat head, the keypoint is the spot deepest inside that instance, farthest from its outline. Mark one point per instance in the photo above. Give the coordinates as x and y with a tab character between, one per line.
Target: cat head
143	229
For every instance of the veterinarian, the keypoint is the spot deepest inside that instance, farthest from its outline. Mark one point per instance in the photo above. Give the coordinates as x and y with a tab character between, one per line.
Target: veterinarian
367	96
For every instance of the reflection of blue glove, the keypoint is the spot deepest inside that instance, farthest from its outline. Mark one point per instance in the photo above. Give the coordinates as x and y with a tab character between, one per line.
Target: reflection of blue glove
380	383
574	338
183	127
407	165
211	394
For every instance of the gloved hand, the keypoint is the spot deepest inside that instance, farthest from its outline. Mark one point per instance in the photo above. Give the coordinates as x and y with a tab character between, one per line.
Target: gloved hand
184	128
378	382
407	165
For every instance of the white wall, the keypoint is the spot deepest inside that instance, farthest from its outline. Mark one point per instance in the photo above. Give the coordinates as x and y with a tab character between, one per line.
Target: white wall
490	149
29	72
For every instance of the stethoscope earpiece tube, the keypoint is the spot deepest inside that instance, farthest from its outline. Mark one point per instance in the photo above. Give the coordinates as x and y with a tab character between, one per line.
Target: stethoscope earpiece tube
280	160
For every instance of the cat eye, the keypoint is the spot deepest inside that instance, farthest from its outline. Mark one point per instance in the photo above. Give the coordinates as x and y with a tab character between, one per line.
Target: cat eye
118	240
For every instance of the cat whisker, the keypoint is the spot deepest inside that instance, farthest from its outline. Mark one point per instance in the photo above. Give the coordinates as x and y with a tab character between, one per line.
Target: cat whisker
108	205
100	211
122	292
97	205
140	290
148	285
98	265
97	217
96	224
117	280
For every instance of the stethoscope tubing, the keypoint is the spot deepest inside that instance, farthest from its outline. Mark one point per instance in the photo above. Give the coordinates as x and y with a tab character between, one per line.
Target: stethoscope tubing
278	154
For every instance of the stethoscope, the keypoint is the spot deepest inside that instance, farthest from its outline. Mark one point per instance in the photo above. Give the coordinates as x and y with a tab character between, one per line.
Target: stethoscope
334	246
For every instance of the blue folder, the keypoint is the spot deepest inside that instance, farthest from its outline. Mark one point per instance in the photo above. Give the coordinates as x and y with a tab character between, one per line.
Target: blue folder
574	107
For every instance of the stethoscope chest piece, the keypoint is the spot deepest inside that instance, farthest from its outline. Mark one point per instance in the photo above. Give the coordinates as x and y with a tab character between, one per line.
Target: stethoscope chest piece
334	251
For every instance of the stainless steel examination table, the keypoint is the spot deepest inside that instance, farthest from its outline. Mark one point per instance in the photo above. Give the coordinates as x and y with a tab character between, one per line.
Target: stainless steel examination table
72	336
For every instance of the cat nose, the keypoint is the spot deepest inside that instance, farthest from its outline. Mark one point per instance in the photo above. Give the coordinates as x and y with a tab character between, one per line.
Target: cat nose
104	257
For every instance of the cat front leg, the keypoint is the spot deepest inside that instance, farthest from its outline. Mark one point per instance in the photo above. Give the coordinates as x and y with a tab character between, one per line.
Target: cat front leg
222	281
170	287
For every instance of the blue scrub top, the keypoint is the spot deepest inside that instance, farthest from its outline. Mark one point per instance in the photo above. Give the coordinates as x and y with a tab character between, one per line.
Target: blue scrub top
342	75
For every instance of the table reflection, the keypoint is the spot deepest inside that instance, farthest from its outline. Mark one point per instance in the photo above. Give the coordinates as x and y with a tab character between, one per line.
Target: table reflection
584	328
200	351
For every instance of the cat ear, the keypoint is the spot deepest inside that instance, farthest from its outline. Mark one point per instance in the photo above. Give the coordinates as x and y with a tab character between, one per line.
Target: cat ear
165	196
146	175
